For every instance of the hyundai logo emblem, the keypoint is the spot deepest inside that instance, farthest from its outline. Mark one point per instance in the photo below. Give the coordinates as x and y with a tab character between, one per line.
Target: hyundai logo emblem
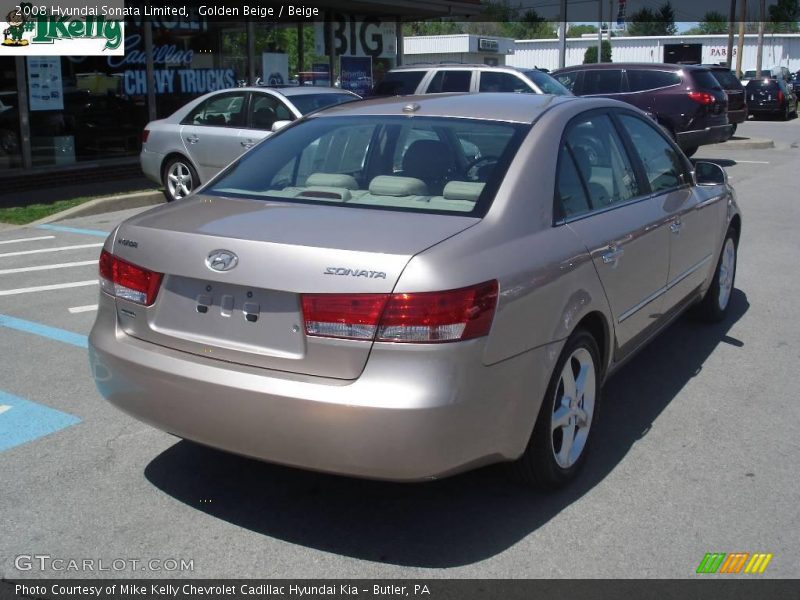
222	260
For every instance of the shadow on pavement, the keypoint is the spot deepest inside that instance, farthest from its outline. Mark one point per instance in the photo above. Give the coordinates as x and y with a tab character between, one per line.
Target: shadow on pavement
456	521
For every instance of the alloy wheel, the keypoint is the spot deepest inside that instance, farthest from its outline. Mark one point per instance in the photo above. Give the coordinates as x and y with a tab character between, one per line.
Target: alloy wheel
727	268
179	180
573	408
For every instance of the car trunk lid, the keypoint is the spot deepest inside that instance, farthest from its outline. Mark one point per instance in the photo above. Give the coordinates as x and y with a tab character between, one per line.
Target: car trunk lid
250	312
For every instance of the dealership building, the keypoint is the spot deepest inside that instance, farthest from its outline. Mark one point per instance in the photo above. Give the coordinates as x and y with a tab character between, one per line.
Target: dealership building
74	118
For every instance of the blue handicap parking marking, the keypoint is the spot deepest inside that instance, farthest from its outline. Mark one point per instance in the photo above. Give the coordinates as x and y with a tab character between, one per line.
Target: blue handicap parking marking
23	421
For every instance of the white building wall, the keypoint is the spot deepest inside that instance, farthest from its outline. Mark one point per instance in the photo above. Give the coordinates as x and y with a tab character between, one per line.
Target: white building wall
779	50
452	57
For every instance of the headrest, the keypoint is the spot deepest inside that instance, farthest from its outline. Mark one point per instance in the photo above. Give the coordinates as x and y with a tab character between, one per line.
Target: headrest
340	180
389	185
427	159
463	190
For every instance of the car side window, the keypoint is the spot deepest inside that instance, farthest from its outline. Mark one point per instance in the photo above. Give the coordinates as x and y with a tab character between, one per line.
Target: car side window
570	194
567	79
502	82
663	166
602	81
225	110
450	81
640	80
601	160
265	109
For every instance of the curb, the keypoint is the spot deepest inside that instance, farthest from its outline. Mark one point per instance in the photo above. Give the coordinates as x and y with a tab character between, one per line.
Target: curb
104	205
744	144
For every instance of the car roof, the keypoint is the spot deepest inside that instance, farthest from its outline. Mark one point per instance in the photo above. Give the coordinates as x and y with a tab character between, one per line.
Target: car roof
424	66
519	108
635	65
296	90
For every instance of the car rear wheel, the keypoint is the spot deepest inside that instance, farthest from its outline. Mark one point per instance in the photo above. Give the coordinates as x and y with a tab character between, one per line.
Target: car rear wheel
560	440
714	306
179	179
786	114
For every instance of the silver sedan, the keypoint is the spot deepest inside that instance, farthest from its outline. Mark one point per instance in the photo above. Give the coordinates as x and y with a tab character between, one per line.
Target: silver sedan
408	288
198	140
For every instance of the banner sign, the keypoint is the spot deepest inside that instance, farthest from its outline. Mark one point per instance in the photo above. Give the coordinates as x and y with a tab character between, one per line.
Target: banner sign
351	37
356	74
178	81
45	89
275	68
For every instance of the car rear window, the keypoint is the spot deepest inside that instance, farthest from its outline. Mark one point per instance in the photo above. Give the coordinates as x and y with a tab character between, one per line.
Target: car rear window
704	79
727	79
422	164
400	83
765	84
307	103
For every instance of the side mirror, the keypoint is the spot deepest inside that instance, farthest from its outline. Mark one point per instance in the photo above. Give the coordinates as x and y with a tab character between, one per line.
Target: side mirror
278	125
708	173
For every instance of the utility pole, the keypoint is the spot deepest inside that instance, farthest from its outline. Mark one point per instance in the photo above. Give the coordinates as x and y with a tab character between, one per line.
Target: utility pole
731	21
599	30
762	8
562	36
740	43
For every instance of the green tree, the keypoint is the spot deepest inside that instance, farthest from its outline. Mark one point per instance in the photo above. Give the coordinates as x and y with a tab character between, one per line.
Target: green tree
590	56
713	22
783	16
579	30
653	22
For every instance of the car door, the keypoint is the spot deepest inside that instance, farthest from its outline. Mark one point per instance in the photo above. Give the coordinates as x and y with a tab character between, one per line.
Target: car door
210	132
624	230
692	221
263	111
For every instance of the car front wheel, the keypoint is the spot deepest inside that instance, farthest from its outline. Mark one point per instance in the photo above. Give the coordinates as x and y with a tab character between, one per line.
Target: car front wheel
179	179
559	443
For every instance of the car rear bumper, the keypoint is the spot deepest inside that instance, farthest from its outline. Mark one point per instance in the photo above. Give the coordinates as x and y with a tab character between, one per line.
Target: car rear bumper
151	164
702	137
737	116
416	412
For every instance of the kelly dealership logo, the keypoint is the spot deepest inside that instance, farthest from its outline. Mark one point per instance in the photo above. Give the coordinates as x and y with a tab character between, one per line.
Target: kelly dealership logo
37	30
734	563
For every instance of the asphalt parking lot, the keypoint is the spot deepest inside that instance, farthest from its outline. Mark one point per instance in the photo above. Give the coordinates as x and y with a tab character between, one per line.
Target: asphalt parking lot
696	451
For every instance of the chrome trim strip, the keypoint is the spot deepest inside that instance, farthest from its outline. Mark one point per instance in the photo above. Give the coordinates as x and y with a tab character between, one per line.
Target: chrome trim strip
631	311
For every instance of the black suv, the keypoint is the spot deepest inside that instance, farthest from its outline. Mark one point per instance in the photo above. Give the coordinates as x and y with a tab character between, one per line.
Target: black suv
737	107
686	100
770	97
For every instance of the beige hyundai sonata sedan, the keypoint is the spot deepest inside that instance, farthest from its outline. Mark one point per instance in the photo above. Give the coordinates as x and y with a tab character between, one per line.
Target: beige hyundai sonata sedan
408	288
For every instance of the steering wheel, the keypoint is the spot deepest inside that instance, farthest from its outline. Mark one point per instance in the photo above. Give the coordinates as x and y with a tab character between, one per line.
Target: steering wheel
472	171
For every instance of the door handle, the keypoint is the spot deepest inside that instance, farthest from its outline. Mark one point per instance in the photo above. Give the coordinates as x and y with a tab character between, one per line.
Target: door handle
192	139
612	255
676	226
247	143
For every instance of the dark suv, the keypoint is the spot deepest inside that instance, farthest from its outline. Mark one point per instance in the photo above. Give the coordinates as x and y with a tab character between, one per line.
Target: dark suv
737	107
686	100
770	97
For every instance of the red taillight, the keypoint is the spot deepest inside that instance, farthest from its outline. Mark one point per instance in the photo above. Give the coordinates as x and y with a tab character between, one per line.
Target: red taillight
702	97
124	280
411	318
145	135
780	97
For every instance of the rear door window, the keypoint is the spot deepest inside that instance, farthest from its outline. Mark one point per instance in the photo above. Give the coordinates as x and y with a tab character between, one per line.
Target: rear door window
602	81
502	82
225	110
640	80
450	81
399	83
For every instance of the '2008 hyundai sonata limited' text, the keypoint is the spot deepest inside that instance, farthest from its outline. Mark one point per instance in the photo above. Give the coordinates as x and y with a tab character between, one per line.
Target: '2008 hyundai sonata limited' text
407	288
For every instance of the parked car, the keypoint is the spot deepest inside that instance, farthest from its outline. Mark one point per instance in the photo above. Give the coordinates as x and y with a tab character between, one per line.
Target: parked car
770	72
686	100
770	98
198	140
737	107
357	295
437	79
795	85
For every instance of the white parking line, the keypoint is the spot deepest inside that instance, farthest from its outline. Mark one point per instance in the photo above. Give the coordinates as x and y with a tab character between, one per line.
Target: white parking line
47	288
33	239
80	263
42	250
754	162
82	309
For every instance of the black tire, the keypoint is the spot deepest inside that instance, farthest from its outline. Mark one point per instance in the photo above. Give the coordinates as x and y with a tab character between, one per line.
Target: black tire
182	168
785	115
690	151
714	307
733	131
538	466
